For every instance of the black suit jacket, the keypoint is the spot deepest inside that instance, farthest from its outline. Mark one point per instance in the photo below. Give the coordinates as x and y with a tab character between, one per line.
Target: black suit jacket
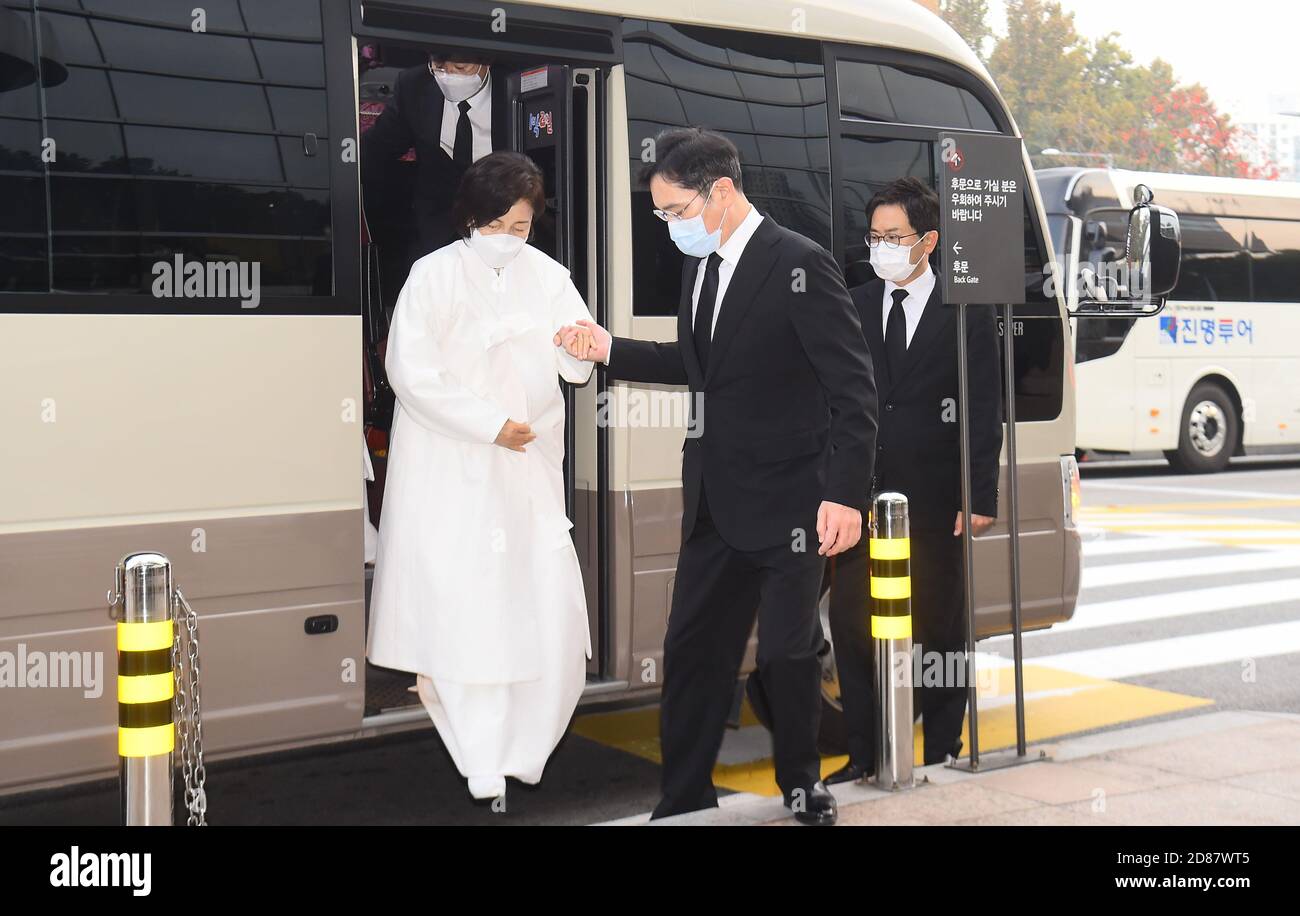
413	118
918	448
788	403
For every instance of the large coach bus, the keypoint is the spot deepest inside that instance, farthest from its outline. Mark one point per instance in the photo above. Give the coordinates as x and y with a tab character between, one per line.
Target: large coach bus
1215	374
224	429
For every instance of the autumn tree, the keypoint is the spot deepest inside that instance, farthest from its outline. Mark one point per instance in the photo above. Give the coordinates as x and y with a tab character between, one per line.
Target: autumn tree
1090	96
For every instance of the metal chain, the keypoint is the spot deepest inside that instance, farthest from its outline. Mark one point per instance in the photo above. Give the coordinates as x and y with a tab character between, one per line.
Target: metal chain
189	713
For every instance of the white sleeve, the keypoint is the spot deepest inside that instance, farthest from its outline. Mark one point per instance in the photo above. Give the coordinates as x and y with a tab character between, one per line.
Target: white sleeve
567	308
418	372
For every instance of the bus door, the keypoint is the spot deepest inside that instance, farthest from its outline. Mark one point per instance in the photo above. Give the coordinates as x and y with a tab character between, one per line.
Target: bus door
555	63
554	122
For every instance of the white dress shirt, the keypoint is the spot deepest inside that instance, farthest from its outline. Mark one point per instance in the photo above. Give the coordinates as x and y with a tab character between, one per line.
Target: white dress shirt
729	251
480	122
918	294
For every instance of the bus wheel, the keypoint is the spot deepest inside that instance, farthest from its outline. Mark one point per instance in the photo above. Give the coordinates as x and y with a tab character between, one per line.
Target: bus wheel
831	740
1208	433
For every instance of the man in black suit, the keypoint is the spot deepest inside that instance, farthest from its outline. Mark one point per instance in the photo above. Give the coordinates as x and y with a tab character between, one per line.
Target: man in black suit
780	379
913	341
454	111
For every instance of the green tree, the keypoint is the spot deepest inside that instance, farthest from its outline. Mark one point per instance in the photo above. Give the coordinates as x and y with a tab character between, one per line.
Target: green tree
969	18
1040	66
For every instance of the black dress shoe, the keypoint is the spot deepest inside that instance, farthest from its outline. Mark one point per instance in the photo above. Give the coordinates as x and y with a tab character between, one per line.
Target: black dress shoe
816	805
850	772
954	752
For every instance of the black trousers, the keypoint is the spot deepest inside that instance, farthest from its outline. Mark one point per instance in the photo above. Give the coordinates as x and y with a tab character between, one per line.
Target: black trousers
717	594
938	628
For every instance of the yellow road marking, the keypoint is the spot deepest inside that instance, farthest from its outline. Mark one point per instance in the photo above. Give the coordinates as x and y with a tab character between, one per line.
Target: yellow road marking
1252	542
1056	703
1132	508
1165	526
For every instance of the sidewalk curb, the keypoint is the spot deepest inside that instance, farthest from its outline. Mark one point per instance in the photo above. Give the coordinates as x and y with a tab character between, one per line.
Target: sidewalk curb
748	809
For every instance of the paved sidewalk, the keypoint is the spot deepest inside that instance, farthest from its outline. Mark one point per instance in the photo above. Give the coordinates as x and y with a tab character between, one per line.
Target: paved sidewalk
1214	768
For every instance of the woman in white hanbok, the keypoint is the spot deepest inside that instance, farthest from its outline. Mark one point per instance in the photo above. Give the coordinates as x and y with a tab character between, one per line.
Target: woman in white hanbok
477	587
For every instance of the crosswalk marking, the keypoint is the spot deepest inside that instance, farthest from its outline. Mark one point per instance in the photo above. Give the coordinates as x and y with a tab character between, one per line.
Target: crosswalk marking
1092	615
1177	652
1256	497
1154	570
1106	547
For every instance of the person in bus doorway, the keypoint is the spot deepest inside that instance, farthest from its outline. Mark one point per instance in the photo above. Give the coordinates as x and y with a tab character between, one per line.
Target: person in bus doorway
477	587
453	112
769	344
913	340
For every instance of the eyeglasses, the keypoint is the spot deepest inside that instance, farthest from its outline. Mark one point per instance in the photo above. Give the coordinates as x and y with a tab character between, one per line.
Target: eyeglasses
669	216
891	240
445	69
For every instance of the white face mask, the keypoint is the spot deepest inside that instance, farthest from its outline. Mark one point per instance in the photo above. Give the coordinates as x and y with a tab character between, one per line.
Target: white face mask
457	87
496	250
894	263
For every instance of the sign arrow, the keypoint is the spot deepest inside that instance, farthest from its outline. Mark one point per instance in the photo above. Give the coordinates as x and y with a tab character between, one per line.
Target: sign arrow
956	248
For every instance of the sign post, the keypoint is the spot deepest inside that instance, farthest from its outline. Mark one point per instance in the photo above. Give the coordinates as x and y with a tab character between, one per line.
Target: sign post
981	186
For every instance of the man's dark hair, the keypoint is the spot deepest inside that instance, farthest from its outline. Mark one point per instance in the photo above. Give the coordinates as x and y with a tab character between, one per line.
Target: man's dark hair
493	185
693	158
460	55
918	201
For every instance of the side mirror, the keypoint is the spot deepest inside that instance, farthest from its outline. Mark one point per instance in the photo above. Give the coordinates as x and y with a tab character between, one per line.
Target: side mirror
1154	250
1153	254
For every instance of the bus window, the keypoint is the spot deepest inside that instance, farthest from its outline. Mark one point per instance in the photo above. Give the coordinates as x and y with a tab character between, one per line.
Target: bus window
878	92
169	142
1215	267
767	94
1092	191
868	164
1274	260
23	254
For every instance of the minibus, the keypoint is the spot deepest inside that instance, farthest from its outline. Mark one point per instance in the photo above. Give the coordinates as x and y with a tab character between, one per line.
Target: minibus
146	142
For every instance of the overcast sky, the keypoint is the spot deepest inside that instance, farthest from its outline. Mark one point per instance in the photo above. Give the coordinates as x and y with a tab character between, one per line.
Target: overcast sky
1242	51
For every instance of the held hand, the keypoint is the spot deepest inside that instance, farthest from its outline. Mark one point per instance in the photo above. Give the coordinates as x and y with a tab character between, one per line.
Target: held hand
514	436
576	341
838	528
598	341
978	523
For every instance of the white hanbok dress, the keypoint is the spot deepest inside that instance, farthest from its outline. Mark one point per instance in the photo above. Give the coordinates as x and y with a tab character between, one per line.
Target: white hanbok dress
477	587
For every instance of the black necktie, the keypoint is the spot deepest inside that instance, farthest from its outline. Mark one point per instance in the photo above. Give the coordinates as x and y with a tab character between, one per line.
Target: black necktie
463	152
896	336
704	311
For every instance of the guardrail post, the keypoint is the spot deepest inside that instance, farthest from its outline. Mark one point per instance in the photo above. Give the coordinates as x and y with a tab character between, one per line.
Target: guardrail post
891	627
146	734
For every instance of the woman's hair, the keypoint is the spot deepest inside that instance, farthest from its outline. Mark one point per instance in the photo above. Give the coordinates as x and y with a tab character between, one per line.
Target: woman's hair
493	185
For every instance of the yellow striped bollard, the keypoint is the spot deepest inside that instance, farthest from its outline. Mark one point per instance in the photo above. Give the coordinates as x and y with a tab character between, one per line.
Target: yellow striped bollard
890	554
146	733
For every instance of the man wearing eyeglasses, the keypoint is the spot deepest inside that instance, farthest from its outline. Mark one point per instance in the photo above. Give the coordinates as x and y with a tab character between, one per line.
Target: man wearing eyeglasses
453	113
913	341
769	344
